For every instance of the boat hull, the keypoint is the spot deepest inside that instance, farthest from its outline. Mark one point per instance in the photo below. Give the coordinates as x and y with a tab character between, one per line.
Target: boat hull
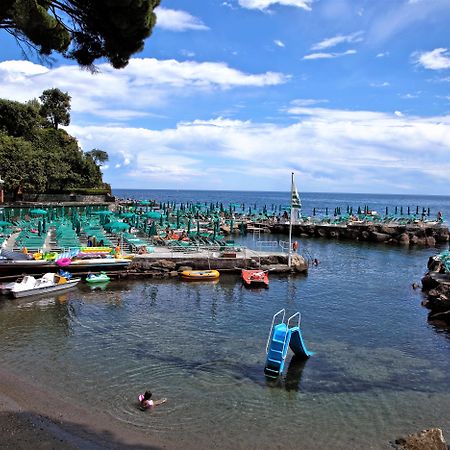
200	275
46	289
36	267
255	278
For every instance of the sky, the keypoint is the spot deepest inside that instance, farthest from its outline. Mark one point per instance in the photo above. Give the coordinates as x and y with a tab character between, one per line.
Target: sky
350	95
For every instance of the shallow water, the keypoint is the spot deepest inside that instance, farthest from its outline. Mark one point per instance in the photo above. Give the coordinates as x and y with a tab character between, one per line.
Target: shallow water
379	370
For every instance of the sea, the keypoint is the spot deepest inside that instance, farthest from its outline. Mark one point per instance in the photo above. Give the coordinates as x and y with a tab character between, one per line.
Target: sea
379	370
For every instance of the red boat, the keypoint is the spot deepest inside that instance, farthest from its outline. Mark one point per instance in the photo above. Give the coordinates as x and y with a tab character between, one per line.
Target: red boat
255	277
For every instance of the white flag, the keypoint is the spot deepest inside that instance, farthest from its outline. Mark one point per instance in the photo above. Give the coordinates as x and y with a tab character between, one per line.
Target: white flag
295	198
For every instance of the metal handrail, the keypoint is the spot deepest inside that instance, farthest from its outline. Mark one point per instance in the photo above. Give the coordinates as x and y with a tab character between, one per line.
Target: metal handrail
265	244
299	319
271	327
284	245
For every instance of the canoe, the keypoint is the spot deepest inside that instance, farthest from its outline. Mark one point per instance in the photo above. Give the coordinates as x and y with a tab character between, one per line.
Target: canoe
200	275
255	277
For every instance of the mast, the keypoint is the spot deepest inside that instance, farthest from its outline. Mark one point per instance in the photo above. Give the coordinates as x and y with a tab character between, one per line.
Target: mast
290	223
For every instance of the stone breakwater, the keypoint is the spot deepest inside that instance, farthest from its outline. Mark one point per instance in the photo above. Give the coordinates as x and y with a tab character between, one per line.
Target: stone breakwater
409	235
436	286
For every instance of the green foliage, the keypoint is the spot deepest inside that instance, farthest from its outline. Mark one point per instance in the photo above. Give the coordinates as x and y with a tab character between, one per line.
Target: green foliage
37	158
91	191
81	30
99	156
55	107
17	119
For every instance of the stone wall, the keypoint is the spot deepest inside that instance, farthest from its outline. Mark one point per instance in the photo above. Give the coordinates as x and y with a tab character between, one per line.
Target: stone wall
64	198
166	266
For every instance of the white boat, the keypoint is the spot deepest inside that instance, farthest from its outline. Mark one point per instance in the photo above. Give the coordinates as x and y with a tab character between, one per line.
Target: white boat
50	282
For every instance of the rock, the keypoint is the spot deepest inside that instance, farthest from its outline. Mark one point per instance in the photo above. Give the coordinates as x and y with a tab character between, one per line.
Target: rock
441	234
434	264
166	264
379	237
443	316
321	232
183	268
403	239
431	439
173	273
431	241
299	264
417	240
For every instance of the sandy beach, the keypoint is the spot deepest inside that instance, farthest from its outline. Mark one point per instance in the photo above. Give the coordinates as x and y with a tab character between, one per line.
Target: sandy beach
31	417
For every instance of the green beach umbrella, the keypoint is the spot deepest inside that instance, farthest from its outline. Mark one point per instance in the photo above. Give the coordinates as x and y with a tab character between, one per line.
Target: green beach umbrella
101	213
152	215
189	226
127	215
117	226
38	212
152	231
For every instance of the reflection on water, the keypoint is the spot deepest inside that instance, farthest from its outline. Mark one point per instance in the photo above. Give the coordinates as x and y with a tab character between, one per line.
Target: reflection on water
291	380
379	371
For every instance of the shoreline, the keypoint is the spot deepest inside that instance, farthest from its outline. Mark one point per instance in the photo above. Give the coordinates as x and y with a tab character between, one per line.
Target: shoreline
33	417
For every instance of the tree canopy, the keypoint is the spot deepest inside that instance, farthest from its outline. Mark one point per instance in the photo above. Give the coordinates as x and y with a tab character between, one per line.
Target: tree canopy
36	156
55	107
81	30
99	156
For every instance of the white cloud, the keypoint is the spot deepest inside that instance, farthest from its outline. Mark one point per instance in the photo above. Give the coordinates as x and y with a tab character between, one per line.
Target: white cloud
307	101
279	43
382	84
437	59
339	39
264	4
329	55
359	148
140	89
382	54
398	16
410	96
176	20
187	53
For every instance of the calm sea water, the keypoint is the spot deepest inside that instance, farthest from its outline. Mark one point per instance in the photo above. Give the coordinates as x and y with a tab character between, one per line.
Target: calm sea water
379	370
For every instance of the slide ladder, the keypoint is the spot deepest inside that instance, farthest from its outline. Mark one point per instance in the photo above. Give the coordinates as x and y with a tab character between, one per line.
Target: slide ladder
283	335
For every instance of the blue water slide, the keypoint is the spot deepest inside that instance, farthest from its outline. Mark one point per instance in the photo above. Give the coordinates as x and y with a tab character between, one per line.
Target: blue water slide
297	344
281	337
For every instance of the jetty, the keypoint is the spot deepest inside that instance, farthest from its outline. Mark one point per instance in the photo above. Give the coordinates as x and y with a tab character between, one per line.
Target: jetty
163	262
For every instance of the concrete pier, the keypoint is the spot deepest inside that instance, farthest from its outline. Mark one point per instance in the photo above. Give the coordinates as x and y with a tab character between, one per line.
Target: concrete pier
165	263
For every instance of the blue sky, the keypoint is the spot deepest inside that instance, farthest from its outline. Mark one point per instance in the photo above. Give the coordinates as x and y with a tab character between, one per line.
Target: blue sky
351	95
